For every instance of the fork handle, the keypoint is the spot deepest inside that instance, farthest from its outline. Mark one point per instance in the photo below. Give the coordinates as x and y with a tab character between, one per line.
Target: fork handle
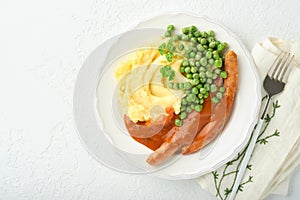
246	159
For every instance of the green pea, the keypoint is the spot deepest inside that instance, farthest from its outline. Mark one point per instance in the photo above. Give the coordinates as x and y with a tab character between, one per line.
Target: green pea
225	44
203	61
219	95
195	81
217	71
222	89
178	122
170	85
221	47
210	49
185	63
205	46
209	81
196	76
182	69
188	98
188	49
197	64
213	88
180	47
192	63
181	86
216	56
197	57
197	101
176	86
206	86
199	86
185	30
192	106
202	69
170	27
211	33
192	54
204	34
211	39
188	109
194	40
205	95
175	38
208	54
188	92
201	101
212	45
184	101
199	39
187	85
182	108
203	90
192	97
223	74
214	100
208	74
203	41
195	90
200	47
184	37
197	34
189	76
183	115
202	80
218	62
202	74
200	96
192	59
167	34
187	70
194	69
215	52
214	76
193	29
198	108
190	35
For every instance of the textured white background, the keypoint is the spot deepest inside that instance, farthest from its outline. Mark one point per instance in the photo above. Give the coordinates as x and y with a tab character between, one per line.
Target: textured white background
42	47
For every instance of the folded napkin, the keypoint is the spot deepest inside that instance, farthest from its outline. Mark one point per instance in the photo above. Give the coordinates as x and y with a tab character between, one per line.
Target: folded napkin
277	151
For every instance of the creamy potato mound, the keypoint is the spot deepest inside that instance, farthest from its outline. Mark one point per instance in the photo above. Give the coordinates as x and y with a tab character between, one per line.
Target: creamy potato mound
141	88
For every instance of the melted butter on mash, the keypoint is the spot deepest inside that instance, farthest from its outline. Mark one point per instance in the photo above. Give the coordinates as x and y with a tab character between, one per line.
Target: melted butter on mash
141	89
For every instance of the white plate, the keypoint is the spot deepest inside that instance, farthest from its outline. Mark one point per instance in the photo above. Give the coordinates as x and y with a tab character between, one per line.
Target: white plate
228	144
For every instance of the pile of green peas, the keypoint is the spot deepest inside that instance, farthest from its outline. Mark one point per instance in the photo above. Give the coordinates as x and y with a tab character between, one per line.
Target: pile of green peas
202	65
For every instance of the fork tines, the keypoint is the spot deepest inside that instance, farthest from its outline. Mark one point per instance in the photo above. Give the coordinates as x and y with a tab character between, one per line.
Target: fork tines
279	69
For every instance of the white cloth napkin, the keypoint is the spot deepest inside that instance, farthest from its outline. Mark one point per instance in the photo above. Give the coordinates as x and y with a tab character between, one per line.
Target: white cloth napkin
277	152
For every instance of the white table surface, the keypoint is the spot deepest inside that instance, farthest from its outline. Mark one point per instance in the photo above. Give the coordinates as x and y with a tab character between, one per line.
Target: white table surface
43	45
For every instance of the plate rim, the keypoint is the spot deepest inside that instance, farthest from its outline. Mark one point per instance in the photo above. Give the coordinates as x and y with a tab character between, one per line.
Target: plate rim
192	175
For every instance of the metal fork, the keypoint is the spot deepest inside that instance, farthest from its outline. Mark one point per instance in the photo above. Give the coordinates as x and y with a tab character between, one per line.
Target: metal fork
274	83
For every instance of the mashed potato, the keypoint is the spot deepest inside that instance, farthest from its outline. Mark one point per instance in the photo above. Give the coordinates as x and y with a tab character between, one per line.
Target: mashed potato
141	89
